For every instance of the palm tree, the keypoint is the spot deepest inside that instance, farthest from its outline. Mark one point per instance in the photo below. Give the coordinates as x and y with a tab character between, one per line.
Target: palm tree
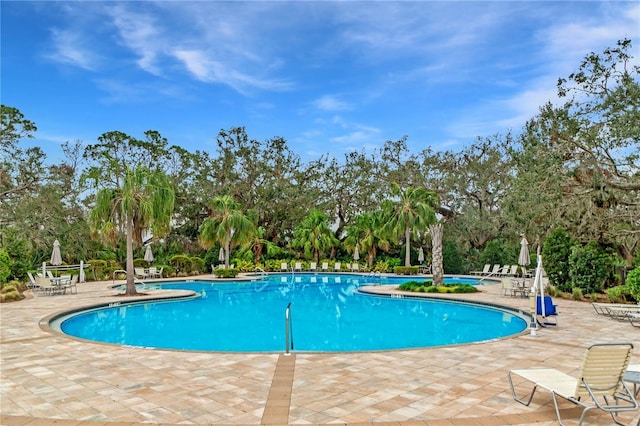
313	235
226	225
367	235
412	212
143	200
257	242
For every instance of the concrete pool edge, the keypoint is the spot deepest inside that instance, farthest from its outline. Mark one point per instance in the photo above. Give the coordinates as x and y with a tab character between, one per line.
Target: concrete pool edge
152	295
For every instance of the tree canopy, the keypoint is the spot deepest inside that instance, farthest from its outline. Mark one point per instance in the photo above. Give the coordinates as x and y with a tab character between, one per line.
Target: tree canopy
574	165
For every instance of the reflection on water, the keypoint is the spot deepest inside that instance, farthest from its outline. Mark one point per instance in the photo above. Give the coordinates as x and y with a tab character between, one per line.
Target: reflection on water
327	315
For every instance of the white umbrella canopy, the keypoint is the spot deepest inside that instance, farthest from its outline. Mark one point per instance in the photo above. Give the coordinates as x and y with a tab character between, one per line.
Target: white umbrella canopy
524	259
356	254
221	255
421	255
148	254
56	257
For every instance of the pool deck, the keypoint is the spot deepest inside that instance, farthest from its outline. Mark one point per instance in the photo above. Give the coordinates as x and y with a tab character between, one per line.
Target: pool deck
47	378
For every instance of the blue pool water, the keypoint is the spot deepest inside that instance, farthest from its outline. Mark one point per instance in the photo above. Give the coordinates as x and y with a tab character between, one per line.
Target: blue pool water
327	314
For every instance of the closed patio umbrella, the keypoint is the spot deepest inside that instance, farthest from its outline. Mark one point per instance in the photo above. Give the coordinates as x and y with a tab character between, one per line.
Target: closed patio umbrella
221	255
524	259
148	254
56	257
356	254
421	255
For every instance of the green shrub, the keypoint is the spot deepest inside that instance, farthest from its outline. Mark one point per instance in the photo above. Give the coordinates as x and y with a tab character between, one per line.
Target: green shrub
465	288
245	265
98	268
381	266
406	270
633	283
619	294
412	285
428	287
226	272
576	293
556	252
5	266
140	263
181	263
197	265
589	268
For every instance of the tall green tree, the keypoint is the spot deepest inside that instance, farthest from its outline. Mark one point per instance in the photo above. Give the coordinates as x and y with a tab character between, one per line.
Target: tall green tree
142	200
226	225
584	154
407	213
314	236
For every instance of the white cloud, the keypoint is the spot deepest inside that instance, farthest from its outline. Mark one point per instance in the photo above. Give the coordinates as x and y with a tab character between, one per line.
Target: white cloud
209	70
330	103
141	33
68	48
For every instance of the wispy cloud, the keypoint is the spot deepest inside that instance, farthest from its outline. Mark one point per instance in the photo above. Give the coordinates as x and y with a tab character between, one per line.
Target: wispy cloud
331	103
141	33
209	70
69	48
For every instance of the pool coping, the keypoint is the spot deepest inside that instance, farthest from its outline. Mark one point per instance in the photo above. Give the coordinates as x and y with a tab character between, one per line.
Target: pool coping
50	322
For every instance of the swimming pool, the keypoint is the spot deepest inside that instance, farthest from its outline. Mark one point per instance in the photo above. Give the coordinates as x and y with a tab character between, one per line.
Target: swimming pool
327	314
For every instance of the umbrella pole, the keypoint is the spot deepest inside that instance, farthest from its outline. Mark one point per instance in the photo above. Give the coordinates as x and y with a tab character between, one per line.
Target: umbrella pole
532	307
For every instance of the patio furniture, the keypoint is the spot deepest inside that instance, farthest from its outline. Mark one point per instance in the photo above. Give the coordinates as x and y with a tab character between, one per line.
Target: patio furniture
598	386
549	314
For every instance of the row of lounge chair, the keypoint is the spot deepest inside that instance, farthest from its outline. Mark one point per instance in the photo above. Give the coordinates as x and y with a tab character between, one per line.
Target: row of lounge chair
619	311
313	267
499	271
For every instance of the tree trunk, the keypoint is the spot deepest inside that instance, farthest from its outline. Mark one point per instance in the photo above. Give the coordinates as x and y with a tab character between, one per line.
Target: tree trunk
436	262
131	285
227	249
407	239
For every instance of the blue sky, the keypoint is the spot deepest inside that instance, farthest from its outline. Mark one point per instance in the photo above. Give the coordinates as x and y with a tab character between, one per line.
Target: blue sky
329	77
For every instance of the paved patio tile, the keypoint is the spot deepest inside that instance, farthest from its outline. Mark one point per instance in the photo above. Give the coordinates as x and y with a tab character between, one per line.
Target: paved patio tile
46	378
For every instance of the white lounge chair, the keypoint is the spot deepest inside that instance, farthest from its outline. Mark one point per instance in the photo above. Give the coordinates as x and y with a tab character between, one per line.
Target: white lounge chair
284	266
298	267
45	286
496	270
337	267
72	284
513	271
313	266
599	385
139	273
603	308
355	267
485	270
504	271
32	281
325	266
